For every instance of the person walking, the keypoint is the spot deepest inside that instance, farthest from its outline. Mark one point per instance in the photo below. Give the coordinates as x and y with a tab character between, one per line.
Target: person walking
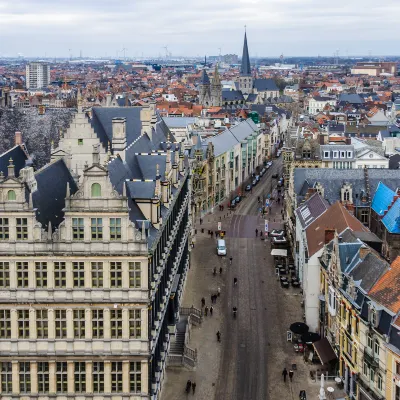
220	270
203	302
219	292
206	311
256	232
218	336
230	260
188	386
284	373
291	375
201	221
211	311
193	387
215	271
212	298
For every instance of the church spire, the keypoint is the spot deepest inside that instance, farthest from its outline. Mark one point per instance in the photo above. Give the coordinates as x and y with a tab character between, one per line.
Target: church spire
216	80
245	69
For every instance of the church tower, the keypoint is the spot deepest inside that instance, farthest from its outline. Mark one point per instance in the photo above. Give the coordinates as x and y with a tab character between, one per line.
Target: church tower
245	78
216	89
205	90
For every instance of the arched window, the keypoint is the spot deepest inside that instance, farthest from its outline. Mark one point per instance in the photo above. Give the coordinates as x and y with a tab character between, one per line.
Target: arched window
96	190
11	195
346	195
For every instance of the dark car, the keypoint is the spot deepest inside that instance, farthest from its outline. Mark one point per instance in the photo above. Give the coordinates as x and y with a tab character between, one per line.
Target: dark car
275	176
237	199
247	188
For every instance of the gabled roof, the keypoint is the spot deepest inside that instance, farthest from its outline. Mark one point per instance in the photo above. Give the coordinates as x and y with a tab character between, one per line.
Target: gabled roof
262	85
312	209
232	95
382	199
19	157
386	291
392	218
351	98
337	218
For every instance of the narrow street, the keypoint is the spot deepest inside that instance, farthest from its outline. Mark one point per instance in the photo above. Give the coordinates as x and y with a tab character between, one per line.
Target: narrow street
248	363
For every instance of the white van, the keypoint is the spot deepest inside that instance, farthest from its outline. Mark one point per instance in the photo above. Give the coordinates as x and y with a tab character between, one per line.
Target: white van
221	247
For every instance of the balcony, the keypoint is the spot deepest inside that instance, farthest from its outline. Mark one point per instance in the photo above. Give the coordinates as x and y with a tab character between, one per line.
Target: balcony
370	359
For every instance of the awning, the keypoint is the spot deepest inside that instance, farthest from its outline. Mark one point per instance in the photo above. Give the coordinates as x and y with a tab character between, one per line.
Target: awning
279	252
324	350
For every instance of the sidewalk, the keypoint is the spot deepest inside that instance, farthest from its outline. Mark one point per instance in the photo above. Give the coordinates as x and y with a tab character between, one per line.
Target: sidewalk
201	283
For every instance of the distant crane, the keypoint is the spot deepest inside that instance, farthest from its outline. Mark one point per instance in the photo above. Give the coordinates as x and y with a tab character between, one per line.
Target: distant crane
166	51
124	49
70	54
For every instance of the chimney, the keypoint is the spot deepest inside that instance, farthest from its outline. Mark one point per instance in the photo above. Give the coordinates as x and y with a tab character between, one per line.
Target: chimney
329	235
348	140
119	136
108	100
18	138
164	192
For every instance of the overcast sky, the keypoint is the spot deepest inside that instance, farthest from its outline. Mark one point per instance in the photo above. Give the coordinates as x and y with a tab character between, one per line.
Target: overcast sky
198	27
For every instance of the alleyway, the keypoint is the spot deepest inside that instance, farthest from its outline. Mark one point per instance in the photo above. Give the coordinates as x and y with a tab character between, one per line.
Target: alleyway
248	363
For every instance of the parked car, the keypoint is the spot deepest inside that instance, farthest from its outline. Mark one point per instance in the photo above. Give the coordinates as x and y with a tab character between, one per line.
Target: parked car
233	204
263	171
247	188
274	176
237	199
269	163
257	178
254	183
279	239
277	232
221	247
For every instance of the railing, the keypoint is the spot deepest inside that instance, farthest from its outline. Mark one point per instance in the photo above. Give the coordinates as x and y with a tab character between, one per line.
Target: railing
186	311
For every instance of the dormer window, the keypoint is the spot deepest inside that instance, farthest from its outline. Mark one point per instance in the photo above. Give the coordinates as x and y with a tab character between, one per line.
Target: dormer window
335	154
326	154
346	195
96	190
373	317
11	196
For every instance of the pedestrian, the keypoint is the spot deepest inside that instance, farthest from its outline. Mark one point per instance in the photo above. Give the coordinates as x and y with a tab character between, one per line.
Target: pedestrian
211	311
215	298
291	375
212	298
256	232
188	386
206	311
219	336
201	221
193	387
220	270
192	245
230	260
203	302
215	271
284	373
212	233
219	291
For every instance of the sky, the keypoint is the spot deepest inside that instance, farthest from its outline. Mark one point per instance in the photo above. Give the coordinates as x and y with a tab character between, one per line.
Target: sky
102	28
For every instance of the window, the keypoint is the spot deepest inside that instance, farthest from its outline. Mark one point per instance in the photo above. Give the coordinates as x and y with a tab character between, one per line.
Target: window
11	195
6	377
135	324
372	375
376	348
4	274
79	274
5	324
97	324
343	154
397	393
79	324
22	228
42	324
116	323
98	377
24	377
135	377
80	142
97	228
23	324
61	324
365	369
398	368
349	154
4	229
380	382
116	274
96	190
326	154
22	274
346	195
97	274
78	229
335	154
115	228
369	341
61	377
80	377
364	216
41	274
135	274
373	317
116	377
60	275
43	377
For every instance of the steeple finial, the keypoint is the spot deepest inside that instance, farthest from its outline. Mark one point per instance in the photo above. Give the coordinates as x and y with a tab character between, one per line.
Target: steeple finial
11	172
143	230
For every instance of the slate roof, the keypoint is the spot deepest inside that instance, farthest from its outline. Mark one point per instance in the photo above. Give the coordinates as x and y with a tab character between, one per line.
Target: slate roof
336	217
351	98
392	218
263	85
245	69
49	198
386	291
204	79
102	122
19	157
382	199
232	95
348	255
313	208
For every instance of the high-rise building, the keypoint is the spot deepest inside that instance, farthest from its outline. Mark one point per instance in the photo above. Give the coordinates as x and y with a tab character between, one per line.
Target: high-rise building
37	75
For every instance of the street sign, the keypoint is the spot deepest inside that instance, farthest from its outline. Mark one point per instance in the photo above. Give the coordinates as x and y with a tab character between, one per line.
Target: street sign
267	203
266	225
219	226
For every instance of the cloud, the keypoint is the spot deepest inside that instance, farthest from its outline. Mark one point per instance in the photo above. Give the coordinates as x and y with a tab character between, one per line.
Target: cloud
292	27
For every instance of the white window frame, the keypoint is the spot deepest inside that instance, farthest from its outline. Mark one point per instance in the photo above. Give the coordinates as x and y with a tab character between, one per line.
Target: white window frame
335	154
326	154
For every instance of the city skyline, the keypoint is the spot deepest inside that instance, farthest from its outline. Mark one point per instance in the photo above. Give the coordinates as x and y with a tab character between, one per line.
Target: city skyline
104	29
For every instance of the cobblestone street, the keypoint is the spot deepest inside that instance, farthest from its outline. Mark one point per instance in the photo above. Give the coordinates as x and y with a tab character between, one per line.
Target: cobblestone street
248	363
